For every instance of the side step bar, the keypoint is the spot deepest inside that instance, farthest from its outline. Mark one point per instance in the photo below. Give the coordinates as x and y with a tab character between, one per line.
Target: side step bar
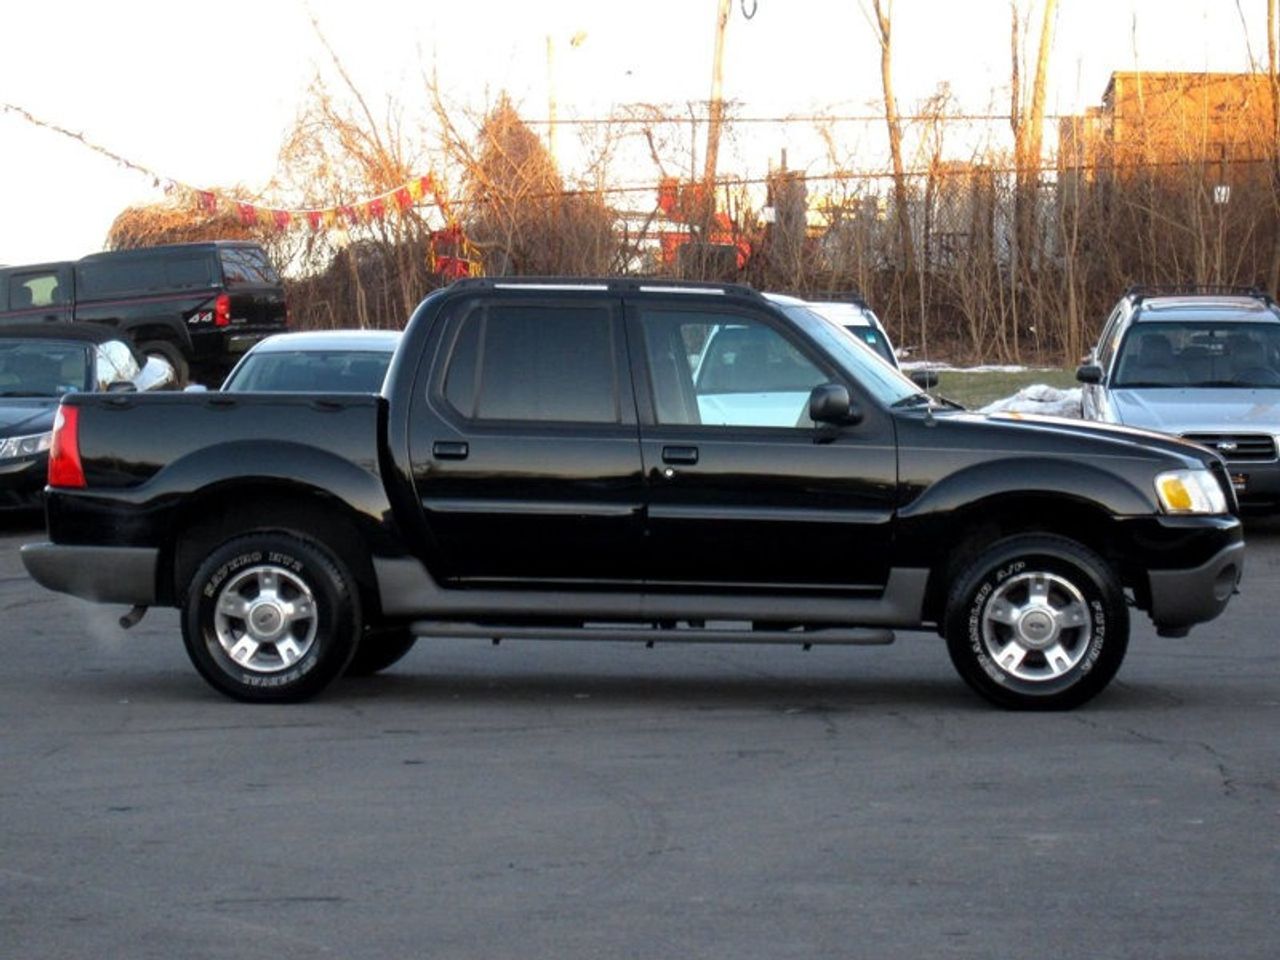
650	635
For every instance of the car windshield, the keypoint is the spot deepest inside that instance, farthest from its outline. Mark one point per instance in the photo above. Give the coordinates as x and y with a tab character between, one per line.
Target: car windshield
1203	353
43	368
310	371
858	360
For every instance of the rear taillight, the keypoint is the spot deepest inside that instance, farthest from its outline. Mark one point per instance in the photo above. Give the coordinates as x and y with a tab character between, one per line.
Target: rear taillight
64	452
222	310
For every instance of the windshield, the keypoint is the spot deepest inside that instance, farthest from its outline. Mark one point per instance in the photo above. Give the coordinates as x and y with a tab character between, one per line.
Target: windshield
43	368
855	358
310	371
1203	353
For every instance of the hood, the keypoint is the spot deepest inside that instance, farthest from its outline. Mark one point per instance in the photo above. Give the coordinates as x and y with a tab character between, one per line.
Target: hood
1068	435
22	416
1200	409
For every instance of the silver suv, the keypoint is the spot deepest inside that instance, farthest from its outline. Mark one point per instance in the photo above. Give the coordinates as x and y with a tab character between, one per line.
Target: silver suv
1200	363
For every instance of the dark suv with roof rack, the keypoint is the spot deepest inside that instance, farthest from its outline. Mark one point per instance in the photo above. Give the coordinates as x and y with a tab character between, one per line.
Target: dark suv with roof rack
1199	362
200	306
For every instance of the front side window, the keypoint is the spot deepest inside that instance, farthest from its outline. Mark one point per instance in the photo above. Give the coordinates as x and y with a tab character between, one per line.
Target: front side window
716	369
533	363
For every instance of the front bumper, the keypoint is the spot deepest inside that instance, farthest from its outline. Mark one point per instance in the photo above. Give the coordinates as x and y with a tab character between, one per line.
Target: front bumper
1180	598
104	574
1257	484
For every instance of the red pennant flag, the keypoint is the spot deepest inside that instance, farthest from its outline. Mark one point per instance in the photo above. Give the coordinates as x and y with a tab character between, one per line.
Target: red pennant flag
207	200
376	209
281	218
248	214
353	217
315	218
403	200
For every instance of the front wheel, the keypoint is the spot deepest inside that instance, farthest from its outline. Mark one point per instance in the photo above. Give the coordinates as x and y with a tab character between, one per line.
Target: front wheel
271	618
1037	622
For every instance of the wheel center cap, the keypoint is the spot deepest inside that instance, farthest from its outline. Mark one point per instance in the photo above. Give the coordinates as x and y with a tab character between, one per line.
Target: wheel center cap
1037	628
266	620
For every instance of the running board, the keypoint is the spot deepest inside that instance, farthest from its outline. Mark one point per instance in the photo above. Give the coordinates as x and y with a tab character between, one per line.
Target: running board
651	635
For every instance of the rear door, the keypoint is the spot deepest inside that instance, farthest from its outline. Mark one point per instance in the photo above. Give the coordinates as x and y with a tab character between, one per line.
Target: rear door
524	446
745	492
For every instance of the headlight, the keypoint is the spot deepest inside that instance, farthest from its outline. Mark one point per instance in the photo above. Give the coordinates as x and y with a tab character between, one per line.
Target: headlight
1190	491
15	447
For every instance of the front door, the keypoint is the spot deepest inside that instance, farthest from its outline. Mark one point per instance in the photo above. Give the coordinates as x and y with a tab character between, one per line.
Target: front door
745	491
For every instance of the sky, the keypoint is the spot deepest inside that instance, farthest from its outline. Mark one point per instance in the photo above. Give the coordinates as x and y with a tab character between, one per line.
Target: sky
203	93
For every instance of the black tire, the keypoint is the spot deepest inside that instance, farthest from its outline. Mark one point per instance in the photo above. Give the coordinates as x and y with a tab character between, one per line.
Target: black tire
1037	622
168	351
307	615
380	648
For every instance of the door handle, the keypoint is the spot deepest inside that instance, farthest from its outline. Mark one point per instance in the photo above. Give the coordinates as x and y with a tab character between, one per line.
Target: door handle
685	455
450	450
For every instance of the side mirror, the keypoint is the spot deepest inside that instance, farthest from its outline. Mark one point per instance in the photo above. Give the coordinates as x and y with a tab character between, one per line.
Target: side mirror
1089	373
830	403
122	386
925	379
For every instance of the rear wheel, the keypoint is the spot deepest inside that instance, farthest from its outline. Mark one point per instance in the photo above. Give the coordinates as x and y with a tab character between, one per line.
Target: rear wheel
1037	622
380	648
271	618
168	352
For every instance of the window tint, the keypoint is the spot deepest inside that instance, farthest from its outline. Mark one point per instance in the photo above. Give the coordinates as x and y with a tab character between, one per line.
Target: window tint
745	373
247	266
513	362
171	270
35	290
311	371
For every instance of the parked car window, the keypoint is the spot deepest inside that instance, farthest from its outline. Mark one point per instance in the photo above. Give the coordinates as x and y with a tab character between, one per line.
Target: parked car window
746	374
119	276
43	368
247	266
311	371
512	362
1199	354
35	290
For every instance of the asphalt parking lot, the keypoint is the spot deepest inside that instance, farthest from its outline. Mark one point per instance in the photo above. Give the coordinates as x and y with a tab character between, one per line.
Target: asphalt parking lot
578	800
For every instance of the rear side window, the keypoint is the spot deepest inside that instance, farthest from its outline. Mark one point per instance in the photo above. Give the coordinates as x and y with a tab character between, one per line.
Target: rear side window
28	290
122	276
246	267
512	362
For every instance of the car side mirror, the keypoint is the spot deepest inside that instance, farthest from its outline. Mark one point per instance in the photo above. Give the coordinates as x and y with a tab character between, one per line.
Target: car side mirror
924	379
1089	373
122	386
830	403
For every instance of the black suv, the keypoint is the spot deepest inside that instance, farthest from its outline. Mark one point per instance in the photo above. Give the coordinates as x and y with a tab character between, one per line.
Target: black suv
197	305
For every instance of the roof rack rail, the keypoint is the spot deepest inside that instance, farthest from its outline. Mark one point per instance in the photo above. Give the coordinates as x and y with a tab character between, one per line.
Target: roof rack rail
1143	291
615	284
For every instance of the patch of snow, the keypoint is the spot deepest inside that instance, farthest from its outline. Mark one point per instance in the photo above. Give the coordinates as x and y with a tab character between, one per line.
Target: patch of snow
1039	399
983	368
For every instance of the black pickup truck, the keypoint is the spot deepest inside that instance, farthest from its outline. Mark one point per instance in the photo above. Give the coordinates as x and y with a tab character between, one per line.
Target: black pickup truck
646	462
200	306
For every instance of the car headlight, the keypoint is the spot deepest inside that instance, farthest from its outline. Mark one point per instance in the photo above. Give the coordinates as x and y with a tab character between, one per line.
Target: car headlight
14	448
1190	491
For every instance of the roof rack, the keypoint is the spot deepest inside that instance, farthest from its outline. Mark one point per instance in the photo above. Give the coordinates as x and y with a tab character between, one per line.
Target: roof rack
1144	291
613	284
836	296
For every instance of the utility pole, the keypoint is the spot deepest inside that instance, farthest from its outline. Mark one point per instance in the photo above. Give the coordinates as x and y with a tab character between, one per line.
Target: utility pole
715	114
